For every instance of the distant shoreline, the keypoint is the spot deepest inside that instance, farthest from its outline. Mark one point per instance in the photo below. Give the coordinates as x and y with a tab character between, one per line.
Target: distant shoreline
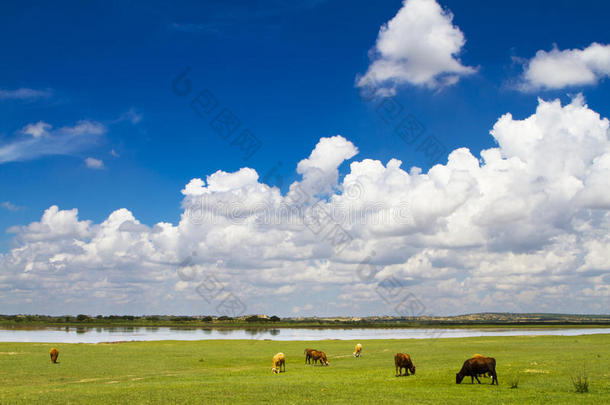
484	320
292	326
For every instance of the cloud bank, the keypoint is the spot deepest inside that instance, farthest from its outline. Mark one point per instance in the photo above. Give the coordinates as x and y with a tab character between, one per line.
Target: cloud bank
419	46
558	69
523	227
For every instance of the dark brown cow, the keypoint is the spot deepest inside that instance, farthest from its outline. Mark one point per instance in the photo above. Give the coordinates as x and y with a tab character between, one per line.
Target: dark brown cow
54	354
307	353
401	361
476	366
318	355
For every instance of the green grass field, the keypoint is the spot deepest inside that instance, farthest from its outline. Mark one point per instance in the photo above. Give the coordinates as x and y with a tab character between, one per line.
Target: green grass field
239	372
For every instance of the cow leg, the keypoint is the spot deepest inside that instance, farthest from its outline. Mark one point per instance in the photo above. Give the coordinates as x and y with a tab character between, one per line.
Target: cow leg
479	381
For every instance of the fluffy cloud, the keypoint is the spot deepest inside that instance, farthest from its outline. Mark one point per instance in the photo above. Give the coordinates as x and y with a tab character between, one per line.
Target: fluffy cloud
523	227
557	69
319	170
39	139
36	130
419	46
93	163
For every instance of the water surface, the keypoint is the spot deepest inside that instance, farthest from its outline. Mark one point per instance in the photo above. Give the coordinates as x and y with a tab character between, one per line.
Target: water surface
113	334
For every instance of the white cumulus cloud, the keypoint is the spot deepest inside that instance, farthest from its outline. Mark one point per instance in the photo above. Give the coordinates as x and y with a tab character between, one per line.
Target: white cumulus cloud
557	69
419	46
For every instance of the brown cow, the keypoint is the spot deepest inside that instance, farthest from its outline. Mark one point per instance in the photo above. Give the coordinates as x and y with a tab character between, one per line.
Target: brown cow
401	361
318	355
474	356
307	353
476	366
54	354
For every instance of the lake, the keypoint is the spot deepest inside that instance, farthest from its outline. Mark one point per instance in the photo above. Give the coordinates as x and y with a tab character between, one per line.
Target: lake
112	334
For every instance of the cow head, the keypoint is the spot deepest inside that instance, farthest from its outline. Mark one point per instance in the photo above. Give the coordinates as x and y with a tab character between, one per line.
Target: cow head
412	369
274	370
458	378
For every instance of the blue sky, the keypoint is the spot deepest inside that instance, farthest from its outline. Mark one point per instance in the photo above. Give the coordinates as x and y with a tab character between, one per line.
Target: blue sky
286	70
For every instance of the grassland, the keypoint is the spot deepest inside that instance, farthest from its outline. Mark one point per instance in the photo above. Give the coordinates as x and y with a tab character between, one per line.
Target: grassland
235	372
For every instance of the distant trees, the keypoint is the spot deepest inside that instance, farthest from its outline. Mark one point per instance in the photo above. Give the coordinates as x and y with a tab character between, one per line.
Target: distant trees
123	317
181	318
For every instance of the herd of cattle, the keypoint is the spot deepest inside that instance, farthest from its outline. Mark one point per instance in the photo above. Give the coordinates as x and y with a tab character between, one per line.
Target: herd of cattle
474	367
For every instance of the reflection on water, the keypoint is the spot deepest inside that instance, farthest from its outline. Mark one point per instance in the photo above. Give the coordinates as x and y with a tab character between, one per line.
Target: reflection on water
111	334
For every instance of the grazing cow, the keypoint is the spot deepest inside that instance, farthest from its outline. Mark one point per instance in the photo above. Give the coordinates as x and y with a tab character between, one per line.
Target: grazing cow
358	350
318	355
54	354
476	366
401	361
307	353
474	356
278	361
